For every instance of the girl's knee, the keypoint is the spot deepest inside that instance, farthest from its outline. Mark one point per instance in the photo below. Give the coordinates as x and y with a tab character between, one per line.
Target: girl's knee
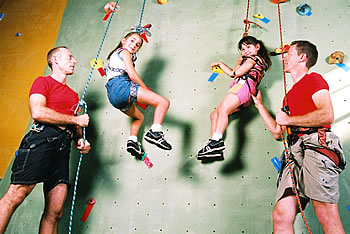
166	102
139	116
213	114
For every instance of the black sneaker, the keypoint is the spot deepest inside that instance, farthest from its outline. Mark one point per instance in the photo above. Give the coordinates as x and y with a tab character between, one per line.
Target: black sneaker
158	139
210	157
212	147
134	148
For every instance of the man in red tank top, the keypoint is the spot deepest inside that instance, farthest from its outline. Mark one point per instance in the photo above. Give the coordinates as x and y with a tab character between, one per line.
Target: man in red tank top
317	157
43	155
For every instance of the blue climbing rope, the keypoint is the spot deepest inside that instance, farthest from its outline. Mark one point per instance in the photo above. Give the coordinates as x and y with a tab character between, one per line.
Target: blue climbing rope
142	10
139	28
82	104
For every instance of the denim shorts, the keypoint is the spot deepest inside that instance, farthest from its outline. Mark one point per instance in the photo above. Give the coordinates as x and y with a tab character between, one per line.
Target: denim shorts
43	156
122	92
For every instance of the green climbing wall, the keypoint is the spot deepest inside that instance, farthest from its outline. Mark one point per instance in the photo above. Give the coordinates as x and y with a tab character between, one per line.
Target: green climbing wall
180	194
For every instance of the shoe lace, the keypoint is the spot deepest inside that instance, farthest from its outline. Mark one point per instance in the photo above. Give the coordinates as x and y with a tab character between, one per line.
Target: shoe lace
206	144
162	134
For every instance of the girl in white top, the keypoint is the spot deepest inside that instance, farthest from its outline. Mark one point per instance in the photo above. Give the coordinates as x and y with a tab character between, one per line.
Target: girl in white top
125	87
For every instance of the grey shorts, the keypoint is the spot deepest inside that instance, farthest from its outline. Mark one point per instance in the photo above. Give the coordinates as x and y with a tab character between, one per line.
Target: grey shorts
315	175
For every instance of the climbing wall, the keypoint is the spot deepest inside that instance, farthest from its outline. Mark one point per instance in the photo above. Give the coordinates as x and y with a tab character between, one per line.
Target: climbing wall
22	59
181	194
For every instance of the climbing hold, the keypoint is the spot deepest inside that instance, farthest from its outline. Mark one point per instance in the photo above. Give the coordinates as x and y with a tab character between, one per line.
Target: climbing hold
213	76
216	71
161	2
88	209
348	207
278	1
98	66
18	34
304	9
276	163
2	15
343	65
146	160
108	8
262	18
280	50
336	57
143	106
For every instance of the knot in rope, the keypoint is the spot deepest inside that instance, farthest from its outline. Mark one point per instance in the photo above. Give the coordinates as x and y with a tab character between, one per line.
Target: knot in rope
247	26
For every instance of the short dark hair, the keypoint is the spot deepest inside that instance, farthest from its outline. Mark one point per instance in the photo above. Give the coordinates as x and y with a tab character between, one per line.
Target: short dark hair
51	53
309	49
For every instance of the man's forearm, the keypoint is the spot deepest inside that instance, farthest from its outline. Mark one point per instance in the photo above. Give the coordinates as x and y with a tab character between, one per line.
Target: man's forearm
269	121
49	116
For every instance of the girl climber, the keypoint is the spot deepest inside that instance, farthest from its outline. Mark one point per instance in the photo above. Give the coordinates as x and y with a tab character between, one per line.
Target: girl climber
247	73
124	87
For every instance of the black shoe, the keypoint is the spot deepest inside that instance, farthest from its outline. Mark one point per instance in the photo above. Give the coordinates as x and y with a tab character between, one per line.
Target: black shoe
212	147
213	156
134	148
158	139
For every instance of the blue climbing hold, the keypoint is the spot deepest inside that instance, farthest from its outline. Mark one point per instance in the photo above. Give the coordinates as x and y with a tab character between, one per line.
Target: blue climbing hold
304	9
276	163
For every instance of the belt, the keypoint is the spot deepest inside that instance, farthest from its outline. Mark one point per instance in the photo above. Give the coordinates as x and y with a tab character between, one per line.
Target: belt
39	126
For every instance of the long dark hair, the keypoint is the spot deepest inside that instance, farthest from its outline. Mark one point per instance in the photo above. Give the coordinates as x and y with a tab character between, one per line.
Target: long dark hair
262	52
120	43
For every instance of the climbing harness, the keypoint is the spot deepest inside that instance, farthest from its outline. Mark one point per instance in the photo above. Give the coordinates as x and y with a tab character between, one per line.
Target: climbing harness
82	105
287	154
247	22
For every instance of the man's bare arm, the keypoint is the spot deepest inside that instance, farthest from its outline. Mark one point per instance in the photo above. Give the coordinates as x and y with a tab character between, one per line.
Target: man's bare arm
41	113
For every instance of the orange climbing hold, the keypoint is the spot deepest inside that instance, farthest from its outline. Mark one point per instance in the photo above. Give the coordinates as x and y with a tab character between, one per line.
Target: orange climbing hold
278	1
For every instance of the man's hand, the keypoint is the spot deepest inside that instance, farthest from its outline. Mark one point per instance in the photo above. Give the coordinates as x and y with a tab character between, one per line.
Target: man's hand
257	99
282	118
83	146
82	120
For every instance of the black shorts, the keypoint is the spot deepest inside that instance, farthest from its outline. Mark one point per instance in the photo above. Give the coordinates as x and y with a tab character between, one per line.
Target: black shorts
43	156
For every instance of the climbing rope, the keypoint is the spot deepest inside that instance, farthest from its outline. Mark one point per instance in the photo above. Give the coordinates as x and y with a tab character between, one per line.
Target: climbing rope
139	28
247	22
286	151
82	105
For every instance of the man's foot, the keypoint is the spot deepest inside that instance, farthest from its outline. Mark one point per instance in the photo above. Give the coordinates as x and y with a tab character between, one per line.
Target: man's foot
134	148
212	147
158	139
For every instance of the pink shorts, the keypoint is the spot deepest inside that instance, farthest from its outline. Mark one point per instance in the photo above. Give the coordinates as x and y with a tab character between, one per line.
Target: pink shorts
243	91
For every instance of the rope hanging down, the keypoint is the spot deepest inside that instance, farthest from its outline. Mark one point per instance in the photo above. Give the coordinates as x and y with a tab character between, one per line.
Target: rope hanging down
139	28
286	151
247	22
82	104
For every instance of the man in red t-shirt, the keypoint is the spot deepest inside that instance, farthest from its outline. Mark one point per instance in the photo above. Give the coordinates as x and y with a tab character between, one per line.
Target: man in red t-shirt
43	155
307	115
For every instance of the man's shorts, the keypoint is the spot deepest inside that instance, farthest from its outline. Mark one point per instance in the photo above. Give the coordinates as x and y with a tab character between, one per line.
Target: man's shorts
122	92
315	175
43	157
243	89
